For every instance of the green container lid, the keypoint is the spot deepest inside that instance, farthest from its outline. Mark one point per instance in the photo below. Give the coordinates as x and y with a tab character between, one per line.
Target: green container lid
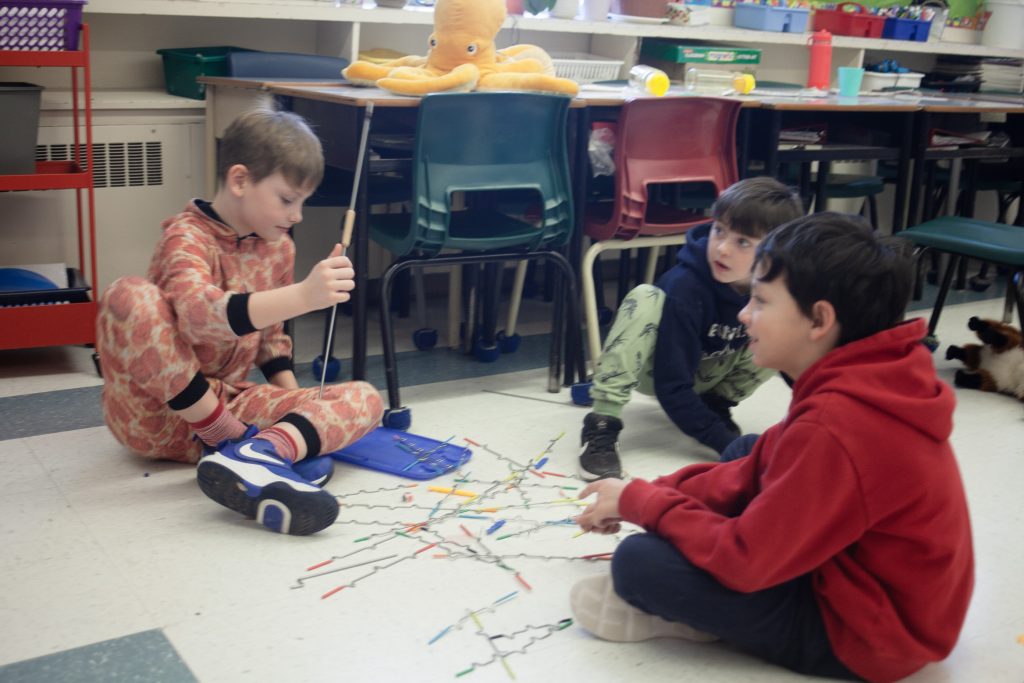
681	53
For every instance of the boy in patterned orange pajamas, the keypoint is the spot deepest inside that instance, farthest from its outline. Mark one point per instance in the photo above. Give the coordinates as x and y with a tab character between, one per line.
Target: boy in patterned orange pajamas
177	346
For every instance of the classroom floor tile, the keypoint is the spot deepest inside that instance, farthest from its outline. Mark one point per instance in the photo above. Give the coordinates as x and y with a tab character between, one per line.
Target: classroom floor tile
114	563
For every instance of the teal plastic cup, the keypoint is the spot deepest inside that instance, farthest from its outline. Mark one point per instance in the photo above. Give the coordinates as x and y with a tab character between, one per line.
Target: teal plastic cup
849	80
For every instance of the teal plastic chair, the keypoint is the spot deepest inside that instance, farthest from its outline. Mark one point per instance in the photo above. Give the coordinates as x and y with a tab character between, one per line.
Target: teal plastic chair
506	154
996	243
489	141
849	186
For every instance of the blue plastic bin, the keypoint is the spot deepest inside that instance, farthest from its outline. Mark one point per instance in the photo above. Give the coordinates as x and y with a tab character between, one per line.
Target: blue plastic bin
906	29
767	18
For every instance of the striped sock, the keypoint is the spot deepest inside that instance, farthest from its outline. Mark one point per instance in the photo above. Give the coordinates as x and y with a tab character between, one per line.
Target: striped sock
219	426
281	441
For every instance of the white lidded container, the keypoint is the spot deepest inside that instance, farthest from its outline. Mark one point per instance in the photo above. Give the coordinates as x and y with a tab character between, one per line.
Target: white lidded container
874	80
1005	28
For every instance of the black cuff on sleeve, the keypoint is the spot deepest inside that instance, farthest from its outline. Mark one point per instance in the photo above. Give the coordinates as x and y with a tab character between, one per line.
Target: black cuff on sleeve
195	390
308	432
238	314
276	365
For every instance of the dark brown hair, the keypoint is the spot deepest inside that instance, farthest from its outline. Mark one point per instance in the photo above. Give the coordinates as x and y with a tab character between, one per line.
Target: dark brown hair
756	206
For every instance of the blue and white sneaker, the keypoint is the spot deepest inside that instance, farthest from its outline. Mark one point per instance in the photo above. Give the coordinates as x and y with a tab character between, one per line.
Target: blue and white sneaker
247	475
317	470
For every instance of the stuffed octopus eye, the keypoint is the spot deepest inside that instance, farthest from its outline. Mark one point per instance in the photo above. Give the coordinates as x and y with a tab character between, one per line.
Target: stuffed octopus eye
433	42
471	49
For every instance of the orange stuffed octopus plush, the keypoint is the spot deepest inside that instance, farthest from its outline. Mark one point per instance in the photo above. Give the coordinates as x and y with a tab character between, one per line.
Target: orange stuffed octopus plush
462	58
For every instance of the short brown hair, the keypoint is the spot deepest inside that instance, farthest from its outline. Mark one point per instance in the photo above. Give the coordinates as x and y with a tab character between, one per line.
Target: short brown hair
266	141
756	206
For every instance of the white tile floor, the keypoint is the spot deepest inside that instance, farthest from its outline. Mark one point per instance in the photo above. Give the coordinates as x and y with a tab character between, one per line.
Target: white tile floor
101	545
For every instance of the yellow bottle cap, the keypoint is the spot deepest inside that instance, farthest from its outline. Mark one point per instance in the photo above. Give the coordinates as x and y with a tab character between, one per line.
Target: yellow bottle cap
743	83
657	84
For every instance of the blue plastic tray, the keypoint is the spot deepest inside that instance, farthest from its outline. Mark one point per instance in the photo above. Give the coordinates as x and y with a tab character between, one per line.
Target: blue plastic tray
767	18
392	451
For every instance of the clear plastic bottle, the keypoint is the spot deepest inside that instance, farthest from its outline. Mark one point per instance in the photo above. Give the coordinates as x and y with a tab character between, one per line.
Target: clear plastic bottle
648	79
711	82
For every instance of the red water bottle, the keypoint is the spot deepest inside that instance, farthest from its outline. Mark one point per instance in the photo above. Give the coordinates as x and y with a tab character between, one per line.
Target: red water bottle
820	66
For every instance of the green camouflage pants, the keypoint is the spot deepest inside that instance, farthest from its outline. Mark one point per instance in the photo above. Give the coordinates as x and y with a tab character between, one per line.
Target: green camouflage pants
627	360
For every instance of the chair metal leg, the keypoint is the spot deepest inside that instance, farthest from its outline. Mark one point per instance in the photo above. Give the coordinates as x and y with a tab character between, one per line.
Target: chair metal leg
454	306
1018	291
651	265
873	211
387	333
490	289
470	305
625	263
919	254
940	300
589	293
518	282
598	276
562	324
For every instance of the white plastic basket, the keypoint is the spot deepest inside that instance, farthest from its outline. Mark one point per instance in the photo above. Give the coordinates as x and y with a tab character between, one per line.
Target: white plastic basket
584	68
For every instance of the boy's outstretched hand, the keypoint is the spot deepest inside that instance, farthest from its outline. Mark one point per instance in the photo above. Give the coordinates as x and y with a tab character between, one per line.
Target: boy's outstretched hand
602	516
330	281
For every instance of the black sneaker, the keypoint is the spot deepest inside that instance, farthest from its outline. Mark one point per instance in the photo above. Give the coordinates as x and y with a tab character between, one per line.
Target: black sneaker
600	456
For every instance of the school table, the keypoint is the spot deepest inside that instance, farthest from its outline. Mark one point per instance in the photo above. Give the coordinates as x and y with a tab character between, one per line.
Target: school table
856	128
765	115
954	111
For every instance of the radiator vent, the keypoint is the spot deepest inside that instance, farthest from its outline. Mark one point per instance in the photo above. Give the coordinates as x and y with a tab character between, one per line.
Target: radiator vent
118	164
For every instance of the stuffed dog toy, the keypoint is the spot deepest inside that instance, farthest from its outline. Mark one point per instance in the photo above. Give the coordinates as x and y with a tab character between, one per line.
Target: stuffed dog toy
997	364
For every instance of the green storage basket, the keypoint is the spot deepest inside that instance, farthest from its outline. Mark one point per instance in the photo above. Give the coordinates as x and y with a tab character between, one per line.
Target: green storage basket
183	65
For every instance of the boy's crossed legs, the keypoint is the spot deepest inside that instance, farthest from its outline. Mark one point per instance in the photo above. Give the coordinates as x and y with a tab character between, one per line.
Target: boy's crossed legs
148	368
664	595
627	364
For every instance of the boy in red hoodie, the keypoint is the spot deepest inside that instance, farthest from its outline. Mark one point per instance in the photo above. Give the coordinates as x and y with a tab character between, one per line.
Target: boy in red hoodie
840	545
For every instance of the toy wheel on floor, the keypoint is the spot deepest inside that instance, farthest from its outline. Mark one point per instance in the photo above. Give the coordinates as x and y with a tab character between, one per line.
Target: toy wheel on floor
333	368
486	353
397	418
508	344
425	338
605	316
979	283
581	394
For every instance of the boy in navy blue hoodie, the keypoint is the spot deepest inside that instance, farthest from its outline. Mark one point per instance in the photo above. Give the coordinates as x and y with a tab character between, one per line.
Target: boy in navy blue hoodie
681	340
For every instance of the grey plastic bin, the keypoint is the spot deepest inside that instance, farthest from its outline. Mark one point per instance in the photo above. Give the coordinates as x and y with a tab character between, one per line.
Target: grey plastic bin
18	135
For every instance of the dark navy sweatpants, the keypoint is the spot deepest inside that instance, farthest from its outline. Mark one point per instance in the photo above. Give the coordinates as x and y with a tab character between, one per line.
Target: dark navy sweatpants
781	624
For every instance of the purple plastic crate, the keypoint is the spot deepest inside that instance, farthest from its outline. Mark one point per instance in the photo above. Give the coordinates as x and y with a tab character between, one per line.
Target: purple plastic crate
40	24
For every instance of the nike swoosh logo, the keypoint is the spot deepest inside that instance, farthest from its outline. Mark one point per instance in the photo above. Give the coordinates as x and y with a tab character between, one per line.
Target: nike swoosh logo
247	451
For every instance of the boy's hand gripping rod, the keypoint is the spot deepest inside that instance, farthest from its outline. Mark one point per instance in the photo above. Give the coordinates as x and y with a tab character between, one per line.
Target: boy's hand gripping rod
346	232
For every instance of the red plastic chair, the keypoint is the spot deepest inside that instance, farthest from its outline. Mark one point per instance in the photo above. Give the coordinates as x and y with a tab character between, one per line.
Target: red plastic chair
678	141
661	141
